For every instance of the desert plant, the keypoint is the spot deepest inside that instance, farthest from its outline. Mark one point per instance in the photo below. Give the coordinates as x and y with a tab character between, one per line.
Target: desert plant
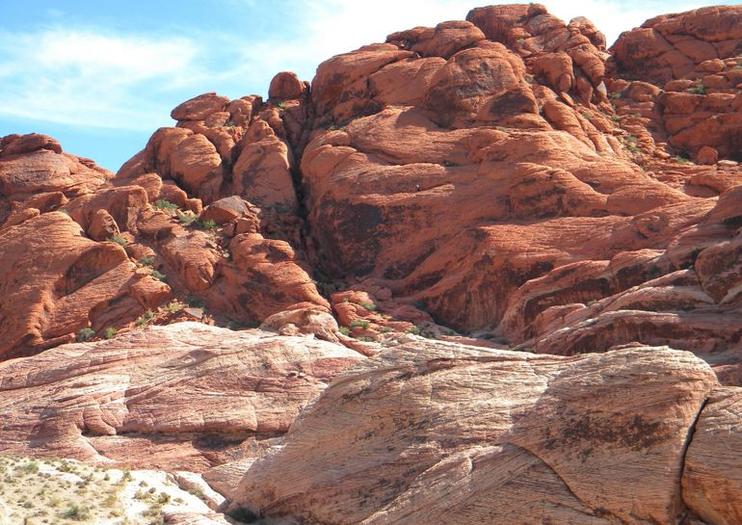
31	467
359	323
208	224
76	512
165	205
415	330
186	218
147	260
371	307
118	239
698	89
159	275
85	334
143	320
110	332
681	159
174	306
344	330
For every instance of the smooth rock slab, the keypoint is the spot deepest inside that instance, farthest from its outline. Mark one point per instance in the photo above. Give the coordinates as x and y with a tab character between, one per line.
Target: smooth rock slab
180	397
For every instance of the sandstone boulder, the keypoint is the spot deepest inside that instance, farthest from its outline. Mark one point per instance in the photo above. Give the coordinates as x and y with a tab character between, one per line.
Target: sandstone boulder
436	433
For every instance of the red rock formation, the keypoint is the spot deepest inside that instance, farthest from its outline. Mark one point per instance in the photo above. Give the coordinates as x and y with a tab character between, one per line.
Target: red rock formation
186	396
503	176
434	433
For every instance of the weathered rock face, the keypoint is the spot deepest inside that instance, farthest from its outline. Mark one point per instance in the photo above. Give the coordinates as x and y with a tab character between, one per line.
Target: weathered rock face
69	283
436	433
712	479
186	396
474	175
695	58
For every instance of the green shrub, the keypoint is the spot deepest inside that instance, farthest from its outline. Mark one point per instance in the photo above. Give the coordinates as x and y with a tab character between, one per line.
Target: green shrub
29	468
359	323
118	239
208	225
76	512
174	306
110	332
415	330
144	320
345	330
85	334
371	307
186	218
698	89
147	260
159	275
165	205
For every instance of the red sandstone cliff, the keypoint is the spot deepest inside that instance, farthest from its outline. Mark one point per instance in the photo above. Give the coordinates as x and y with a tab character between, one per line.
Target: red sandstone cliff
502	181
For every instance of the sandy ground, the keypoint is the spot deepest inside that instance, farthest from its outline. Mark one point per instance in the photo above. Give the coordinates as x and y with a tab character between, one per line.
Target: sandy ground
66	492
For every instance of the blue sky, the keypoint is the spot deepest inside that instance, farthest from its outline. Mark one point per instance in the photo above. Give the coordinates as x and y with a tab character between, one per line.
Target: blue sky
102	75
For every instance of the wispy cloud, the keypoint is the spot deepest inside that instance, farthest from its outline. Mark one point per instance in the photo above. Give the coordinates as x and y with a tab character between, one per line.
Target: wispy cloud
89	78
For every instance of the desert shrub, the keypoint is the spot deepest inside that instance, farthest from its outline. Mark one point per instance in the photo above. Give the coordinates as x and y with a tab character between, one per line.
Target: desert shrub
144	320
29	468
147	260
159	276
186	218
85	334
118	239
206	225
698	89
110	332
165	205
359	323
76	512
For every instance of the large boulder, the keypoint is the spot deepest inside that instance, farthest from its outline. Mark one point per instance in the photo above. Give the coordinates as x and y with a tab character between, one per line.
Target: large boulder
439	433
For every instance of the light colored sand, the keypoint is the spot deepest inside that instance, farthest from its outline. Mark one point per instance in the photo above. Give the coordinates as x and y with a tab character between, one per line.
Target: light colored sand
66	492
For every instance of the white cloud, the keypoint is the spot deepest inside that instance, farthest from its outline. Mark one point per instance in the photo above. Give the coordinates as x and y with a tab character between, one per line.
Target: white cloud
90	78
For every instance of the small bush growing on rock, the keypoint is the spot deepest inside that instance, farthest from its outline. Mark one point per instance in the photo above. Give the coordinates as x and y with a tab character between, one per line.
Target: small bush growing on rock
344	330
144	319
165	205
631	143
359	323
415	330
186	218
85	334
174	306
371	307
147	260
118	239
159	276
698	89
206	225
110	332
